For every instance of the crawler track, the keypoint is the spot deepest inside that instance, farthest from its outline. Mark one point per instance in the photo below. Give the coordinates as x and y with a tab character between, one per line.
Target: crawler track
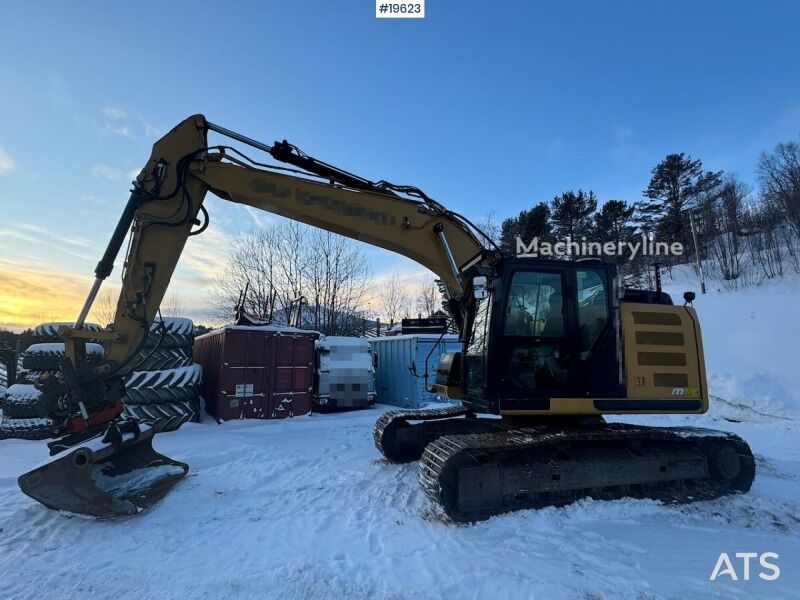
392	431
475	476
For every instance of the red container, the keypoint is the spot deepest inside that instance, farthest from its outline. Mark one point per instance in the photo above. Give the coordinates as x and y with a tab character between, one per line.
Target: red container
256	372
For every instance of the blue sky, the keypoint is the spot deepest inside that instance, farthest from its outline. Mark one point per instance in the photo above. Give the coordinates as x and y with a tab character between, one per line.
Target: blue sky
486	106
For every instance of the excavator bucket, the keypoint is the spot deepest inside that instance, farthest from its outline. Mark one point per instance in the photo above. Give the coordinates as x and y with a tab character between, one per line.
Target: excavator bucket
113	475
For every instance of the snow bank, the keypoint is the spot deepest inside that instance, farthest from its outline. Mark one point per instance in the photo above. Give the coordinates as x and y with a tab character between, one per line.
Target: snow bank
750	338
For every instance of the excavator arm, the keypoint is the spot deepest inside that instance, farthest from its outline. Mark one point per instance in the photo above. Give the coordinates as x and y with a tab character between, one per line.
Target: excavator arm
164	206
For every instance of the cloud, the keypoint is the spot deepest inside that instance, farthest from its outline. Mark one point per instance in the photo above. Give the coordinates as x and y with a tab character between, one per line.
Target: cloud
106	172
6	162
114	114
41	238
259	217
205	257
624	146
94	201
555	148
118	121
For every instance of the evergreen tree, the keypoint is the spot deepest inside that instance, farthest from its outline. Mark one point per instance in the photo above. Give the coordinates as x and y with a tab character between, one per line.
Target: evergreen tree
529	224
572	214
614	223
675	186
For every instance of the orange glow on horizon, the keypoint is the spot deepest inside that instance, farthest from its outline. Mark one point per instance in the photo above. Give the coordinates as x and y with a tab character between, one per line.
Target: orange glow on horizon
32	293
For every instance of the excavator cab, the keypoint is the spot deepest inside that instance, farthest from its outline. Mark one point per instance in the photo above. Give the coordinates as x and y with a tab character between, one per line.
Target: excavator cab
545	329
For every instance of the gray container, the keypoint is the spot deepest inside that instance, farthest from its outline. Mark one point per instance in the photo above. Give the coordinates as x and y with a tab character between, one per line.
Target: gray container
399	377
345	374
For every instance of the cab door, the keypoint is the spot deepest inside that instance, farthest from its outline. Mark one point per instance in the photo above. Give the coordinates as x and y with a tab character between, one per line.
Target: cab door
537	353
597	364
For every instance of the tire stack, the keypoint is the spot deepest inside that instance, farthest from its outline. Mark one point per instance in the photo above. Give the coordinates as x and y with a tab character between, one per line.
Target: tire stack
164	389
27	411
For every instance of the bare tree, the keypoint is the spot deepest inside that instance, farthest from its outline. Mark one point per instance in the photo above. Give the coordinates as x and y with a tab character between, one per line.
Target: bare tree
779	176
171	305
253	265
283	261
104	308
338	282
428	298
293	262
489	225
395	299
792	245
722	216
764	241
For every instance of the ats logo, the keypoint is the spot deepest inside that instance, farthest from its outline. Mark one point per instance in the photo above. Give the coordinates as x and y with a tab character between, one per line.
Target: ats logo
769	571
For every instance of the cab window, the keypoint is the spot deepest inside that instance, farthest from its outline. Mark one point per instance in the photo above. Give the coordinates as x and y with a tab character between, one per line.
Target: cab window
476	348
535	305
592	309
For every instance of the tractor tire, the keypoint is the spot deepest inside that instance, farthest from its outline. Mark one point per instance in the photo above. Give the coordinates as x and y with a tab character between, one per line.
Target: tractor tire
48	332
170	385
47	356
166	416
160	359
177	332
26	429
24	401
28	377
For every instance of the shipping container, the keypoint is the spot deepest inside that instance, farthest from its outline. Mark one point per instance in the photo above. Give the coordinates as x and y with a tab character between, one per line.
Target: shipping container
256	372
345	376
400	372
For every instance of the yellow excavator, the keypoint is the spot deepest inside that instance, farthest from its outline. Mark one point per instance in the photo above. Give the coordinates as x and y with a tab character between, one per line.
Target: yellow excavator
548	348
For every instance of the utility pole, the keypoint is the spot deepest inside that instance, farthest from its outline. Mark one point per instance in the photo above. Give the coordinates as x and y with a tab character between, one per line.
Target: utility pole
697	254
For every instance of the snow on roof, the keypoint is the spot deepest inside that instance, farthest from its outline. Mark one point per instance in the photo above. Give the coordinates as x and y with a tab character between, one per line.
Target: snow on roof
342	340
273	328
418	336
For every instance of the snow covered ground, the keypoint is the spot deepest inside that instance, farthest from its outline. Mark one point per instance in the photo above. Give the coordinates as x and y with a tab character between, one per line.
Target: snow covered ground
305	509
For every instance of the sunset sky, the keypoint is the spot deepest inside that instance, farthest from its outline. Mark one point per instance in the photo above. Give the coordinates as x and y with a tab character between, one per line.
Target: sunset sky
486	106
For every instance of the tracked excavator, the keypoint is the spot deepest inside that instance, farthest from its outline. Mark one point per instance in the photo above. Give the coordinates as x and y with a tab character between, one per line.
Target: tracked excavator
548	348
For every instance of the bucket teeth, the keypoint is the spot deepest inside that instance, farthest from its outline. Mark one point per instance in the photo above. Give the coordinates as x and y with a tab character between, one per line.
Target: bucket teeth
113	475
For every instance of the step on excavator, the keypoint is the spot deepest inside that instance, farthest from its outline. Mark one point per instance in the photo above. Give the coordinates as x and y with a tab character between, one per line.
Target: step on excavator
548	348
